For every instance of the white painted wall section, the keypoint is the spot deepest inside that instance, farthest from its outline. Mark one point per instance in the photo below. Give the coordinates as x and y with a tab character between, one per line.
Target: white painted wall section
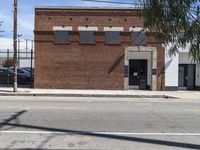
89	28
62	28
185	59
136	29
171	70
113	29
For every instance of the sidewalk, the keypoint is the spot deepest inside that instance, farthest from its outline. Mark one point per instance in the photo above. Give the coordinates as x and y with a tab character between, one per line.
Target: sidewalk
100	93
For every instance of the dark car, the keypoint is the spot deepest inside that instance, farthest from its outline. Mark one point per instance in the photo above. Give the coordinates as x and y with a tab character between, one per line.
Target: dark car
29	69
23	76
4	76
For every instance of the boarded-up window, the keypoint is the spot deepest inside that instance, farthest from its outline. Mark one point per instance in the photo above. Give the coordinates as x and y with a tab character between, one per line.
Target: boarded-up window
113	37
87	37
61	37
138	38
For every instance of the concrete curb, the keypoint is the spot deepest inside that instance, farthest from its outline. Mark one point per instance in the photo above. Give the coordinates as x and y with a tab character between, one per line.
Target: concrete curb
85	95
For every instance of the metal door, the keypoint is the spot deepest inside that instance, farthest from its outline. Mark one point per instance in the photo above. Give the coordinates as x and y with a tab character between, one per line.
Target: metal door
187	76
181	76
138	73
191	77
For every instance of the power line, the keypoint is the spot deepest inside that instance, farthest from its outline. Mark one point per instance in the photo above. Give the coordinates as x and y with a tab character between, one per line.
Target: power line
112	2
126	3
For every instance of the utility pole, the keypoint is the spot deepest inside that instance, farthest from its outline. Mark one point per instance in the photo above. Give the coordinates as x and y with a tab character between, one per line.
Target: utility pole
19	49
15	47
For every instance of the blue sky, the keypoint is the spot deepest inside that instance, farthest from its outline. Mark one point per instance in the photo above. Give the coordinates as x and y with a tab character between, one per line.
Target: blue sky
26	16
26	13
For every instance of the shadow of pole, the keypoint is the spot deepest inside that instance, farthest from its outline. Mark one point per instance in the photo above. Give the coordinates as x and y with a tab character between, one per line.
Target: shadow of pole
101	135
12	118
110	136
116	63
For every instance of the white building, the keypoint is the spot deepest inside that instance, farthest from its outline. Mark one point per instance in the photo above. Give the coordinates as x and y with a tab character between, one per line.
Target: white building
181	73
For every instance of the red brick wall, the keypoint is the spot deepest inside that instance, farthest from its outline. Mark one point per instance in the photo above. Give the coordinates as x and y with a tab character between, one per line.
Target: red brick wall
76	66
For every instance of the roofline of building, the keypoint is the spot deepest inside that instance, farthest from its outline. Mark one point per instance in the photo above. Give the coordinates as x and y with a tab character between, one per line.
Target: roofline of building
83	8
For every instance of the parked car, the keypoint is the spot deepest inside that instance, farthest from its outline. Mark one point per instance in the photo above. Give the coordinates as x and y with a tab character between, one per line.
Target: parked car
3	75
23	76
29	69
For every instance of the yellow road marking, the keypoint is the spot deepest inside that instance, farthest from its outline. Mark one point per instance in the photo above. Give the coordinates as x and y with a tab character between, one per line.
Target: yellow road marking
194	110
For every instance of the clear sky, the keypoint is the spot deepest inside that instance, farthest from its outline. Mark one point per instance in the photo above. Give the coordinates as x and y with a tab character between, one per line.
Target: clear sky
26	15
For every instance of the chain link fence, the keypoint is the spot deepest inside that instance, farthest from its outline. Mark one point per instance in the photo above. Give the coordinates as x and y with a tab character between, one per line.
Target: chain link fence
25	68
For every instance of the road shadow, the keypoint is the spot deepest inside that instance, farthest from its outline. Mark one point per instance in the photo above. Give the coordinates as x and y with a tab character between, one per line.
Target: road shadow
100	135
110	136
14	117
116	63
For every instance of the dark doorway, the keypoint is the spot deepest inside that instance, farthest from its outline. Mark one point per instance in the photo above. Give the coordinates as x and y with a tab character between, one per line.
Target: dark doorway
138	73
187	76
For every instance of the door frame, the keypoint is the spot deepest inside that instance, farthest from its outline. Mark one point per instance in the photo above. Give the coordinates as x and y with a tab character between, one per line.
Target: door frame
194	80
133	49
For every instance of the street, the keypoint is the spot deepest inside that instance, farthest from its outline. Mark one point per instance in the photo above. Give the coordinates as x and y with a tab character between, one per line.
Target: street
99	123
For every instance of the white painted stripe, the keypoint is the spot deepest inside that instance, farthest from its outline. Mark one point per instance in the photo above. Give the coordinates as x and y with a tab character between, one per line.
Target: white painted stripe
136	29
38	107
107	133
162	134
62	28
84	28
113	29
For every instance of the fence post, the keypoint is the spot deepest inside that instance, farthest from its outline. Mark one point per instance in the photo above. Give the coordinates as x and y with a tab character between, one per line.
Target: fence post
8	55
8	75
31	68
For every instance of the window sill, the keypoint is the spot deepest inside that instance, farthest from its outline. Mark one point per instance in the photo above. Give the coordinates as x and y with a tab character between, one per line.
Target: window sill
87	43
61	43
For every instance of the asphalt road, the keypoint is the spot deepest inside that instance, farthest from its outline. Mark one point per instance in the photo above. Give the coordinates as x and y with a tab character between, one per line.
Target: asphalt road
99	123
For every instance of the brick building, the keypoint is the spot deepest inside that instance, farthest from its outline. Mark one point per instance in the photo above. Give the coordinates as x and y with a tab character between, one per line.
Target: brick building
95	48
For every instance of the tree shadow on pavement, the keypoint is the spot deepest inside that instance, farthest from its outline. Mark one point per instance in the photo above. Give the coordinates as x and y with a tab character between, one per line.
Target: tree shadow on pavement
110	136
14	117
100	135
